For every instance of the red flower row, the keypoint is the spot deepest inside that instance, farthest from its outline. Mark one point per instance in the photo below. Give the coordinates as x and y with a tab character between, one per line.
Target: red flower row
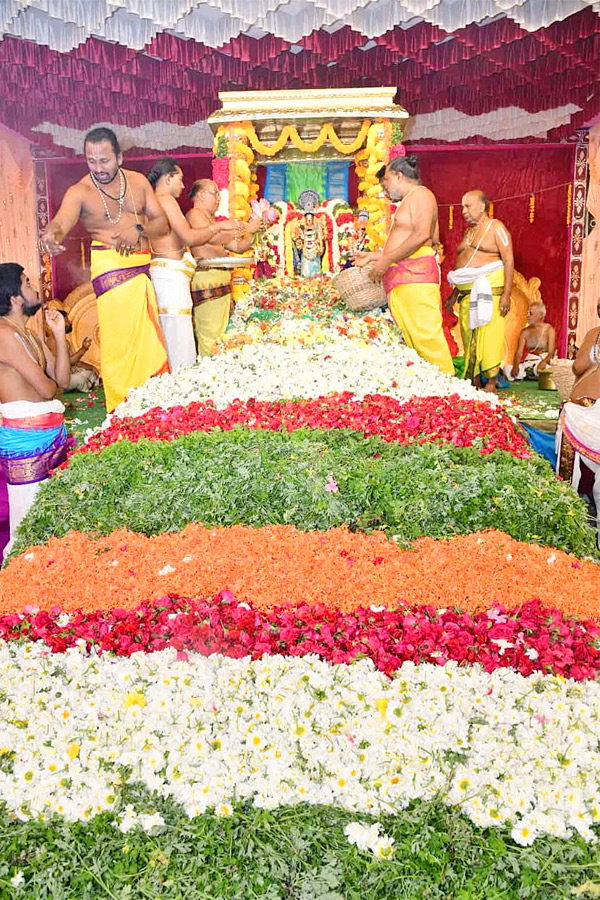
531	638
464	423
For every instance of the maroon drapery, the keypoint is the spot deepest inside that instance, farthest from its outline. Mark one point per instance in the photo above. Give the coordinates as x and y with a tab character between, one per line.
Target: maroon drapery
540	247
475	69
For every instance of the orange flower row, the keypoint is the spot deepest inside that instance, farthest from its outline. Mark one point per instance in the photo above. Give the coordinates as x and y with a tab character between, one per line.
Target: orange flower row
274	565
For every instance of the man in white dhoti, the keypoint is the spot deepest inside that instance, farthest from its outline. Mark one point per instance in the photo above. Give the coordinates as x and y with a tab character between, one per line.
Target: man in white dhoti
33	438
173	265
482	284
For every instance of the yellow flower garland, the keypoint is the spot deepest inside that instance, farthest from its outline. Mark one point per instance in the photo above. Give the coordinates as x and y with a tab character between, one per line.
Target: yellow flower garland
368	162
290	133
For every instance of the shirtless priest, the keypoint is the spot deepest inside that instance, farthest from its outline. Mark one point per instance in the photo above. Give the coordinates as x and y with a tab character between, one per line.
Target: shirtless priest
482	282
173	265
408	265
211	288
120	211
33	438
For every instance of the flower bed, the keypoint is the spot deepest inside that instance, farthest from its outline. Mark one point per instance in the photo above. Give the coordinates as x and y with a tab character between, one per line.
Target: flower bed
528	639
277	564
300	851
274	371
463	423
207	732
267	710
313	479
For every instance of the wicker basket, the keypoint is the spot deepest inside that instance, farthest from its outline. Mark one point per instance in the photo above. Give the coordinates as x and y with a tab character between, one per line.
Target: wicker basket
357	290
563	377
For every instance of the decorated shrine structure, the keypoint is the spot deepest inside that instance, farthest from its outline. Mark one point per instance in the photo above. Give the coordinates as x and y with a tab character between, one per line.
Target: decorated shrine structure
307	141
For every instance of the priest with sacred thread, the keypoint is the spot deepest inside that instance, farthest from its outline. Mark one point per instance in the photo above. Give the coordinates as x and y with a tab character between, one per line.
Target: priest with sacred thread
122	215
408	265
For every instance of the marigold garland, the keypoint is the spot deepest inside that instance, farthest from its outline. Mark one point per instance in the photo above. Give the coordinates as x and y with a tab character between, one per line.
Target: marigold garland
290	133
276	564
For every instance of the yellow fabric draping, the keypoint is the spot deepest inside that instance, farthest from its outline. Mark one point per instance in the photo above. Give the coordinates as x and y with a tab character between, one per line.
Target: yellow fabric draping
18	236
590	275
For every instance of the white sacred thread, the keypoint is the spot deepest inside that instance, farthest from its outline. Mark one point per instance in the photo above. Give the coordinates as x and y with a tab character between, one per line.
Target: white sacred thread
503	235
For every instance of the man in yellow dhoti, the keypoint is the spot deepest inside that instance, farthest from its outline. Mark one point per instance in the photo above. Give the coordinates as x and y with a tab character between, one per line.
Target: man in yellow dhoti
132	347
482	283
408	265
211	288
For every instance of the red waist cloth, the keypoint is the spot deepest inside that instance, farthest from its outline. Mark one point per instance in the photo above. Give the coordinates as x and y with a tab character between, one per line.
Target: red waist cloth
414	270
48	420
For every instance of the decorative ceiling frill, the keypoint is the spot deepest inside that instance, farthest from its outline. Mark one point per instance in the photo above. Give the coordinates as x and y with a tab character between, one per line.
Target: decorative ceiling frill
153	68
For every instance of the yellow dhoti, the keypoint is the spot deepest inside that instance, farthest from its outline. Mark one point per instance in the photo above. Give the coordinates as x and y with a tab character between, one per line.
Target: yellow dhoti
483	345
211	298
415	306
132	347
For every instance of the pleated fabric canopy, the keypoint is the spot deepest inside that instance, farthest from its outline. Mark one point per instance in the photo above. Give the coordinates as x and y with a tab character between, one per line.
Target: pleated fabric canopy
466	70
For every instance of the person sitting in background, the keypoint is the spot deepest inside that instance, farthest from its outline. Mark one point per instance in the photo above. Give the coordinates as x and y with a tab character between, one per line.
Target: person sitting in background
586	367
536	347
578	431
84	377
33	437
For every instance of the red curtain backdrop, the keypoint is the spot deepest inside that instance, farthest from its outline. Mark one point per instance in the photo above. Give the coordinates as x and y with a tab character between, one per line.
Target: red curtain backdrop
501	171
72	267
540	247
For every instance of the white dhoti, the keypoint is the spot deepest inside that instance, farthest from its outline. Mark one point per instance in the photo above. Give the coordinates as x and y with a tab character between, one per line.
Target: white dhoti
171	279
530	366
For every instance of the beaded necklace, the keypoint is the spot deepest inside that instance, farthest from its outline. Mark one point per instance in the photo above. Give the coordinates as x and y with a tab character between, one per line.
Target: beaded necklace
120	199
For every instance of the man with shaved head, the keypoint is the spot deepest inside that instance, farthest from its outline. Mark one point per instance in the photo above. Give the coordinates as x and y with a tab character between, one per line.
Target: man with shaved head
211	288
482	283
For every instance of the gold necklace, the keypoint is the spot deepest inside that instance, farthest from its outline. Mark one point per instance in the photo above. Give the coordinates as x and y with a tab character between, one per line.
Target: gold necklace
120	199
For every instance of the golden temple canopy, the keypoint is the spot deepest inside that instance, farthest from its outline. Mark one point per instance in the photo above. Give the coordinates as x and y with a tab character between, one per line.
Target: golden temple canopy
301	106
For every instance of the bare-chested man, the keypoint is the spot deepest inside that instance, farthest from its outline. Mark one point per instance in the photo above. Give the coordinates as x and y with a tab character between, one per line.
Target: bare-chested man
587	368
33	438
482	283
211	288
536	346
407	264
120	211
173	265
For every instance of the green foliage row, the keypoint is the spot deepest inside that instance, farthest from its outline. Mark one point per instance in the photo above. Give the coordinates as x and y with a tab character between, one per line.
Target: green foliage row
297	853
262	477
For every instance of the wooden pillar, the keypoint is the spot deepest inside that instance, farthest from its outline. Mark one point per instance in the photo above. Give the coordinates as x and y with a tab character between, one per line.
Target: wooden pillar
575	247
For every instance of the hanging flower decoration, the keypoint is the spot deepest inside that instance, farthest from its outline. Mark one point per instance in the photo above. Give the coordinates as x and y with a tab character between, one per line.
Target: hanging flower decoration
220	172
373	200
290	133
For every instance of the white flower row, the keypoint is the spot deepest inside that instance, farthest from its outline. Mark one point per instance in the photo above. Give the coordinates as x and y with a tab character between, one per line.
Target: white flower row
296	330
274	371
207	732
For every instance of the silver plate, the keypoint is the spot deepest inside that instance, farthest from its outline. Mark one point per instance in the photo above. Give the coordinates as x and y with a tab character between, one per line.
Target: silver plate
226	262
